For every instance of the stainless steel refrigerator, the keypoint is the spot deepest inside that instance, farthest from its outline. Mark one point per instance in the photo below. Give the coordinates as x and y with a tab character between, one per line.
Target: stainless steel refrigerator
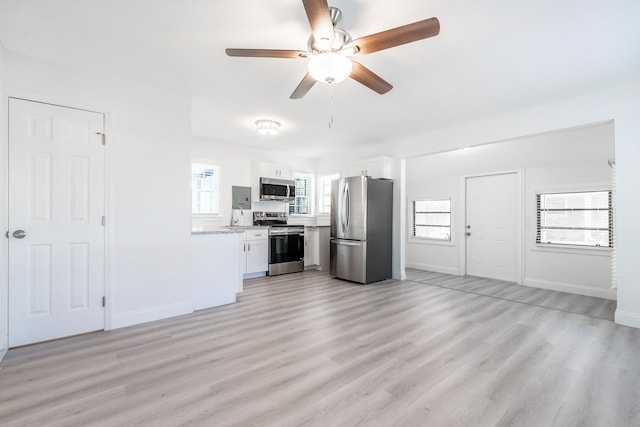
361	229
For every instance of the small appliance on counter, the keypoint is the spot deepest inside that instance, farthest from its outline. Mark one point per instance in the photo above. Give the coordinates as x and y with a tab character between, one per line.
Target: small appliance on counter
286	242
361	229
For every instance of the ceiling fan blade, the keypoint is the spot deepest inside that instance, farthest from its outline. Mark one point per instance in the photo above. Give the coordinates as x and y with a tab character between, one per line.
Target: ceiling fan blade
398	36
363	75
267	53
319	18
304	86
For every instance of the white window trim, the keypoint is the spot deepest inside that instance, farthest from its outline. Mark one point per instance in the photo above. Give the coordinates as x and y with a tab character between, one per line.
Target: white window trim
320	194
428	240
311	186
204	217
567	249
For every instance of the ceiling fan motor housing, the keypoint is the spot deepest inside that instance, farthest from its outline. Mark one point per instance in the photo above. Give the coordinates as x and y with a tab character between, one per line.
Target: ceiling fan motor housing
340	39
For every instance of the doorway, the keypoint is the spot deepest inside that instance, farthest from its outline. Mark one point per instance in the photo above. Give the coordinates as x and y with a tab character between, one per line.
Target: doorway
56	237
491	226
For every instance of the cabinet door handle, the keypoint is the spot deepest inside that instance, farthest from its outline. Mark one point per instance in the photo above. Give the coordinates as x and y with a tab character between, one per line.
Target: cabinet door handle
249	246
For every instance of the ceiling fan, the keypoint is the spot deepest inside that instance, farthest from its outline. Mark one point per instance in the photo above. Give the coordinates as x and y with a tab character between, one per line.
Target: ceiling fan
330	47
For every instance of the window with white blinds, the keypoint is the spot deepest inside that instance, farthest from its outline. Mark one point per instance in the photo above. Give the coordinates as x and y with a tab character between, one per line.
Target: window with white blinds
302	203
324	193
204	189
578	218
431	219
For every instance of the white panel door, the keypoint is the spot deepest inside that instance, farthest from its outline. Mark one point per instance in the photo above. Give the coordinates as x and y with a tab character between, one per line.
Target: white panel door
56	236
491	226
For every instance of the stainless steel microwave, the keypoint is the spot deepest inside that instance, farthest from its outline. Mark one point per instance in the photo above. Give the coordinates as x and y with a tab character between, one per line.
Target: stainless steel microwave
277	189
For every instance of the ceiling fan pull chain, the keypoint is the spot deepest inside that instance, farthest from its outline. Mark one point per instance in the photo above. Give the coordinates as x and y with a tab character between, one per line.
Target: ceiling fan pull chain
331	103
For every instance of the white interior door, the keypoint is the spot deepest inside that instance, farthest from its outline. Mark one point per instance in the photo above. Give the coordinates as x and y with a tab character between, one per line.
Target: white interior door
56	236
492	226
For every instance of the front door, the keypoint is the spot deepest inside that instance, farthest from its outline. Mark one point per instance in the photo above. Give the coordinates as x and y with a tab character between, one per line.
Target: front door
56	232
491	226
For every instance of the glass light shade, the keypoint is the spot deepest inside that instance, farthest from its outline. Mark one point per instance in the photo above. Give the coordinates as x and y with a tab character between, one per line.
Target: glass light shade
267	127
330	67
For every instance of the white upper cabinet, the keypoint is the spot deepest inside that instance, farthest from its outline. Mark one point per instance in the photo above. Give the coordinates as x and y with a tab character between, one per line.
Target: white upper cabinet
375	167
273	170
309	246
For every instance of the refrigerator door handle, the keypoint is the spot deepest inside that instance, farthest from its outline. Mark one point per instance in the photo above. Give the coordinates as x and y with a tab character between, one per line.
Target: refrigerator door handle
347	206
346	242
343	209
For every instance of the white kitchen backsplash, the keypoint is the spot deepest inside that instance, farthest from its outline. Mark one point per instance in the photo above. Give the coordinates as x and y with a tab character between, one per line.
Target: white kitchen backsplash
269	206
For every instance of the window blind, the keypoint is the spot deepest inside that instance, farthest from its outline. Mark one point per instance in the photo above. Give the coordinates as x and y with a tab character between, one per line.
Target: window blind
576	218
431	219
204	189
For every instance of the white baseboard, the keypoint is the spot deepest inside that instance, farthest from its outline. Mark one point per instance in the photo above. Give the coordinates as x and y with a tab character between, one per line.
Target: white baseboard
149	314
216	302
399	275
572	288
627	318
4	347
434	268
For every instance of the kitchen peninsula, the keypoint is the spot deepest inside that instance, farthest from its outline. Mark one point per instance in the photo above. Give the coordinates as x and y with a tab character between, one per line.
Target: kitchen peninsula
216	265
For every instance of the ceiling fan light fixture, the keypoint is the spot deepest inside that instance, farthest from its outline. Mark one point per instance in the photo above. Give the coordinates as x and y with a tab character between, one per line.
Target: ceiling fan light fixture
267	127
330	67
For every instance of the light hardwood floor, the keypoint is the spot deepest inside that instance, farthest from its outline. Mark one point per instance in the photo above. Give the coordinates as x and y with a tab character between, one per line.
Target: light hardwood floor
305	349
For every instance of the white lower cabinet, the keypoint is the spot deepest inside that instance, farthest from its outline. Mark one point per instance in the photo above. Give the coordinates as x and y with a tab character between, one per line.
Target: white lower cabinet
309	247
255	251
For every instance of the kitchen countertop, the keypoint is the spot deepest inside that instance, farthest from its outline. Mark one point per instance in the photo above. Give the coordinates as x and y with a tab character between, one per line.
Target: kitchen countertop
204	229
225	229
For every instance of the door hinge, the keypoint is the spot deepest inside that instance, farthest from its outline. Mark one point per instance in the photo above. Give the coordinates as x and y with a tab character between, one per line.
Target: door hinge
104	137
104	220
104	301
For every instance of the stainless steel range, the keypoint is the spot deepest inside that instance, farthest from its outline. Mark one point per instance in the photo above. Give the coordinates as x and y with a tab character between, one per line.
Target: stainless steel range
286	242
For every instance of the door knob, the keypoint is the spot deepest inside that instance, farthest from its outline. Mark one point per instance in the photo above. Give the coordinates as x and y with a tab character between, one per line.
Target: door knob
468	233
19	234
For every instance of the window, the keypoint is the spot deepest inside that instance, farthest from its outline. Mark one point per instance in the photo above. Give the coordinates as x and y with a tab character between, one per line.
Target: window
581	218
204	189
302	202
431	219
324	193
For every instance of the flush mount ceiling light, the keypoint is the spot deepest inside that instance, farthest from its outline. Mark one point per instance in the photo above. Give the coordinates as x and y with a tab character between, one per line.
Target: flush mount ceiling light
330	67
267	127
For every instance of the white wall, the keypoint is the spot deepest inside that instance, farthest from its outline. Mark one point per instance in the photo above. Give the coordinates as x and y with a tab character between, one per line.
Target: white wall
4	341
570	160
236	164
586	272
620	104
440	257
148	190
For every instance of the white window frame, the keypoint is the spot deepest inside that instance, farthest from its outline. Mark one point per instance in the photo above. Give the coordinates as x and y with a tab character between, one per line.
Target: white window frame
572	248
324	192
309	196
215	213
412	225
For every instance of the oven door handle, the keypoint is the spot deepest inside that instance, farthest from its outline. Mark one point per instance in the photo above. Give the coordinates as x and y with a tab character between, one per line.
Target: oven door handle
286	233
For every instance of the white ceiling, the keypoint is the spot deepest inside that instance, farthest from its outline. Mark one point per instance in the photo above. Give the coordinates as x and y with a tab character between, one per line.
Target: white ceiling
491	56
